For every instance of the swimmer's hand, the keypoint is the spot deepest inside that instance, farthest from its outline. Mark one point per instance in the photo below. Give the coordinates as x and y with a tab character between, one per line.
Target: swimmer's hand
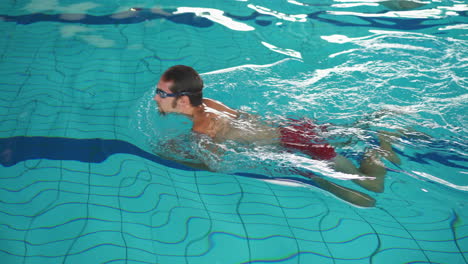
194	165
197	151
207	151
179	151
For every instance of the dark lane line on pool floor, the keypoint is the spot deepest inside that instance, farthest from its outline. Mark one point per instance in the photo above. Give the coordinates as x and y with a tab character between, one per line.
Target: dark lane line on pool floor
17	149
138	15
14	150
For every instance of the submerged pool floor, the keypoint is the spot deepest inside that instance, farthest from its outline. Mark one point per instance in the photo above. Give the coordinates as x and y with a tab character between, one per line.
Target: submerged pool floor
132	209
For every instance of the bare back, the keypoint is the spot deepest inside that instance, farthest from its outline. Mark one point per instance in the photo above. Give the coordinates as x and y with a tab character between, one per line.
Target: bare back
223	123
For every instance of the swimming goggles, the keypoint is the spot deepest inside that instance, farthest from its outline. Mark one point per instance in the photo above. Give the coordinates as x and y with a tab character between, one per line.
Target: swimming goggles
163	94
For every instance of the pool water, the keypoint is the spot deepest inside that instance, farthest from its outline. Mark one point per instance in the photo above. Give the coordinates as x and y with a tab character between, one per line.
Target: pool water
83	180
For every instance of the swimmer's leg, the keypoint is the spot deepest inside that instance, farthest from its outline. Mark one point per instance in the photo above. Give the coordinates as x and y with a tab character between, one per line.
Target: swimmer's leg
371	169
386	139
349	195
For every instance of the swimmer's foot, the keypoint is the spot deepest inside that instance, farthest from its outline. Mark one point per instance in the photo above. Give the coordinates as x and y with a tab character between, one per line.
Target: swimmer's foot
349	195
400	5
386	139
374	171
412	133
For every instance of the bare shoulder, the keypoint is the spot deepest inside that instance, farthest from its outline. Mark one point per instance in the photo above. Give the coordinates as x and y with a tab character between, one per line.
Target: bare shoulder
209	124
218	106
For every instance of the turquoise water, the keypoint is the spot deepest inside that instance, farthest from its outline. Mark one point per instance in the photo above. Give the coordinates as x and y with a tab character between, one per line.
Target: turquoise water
79	180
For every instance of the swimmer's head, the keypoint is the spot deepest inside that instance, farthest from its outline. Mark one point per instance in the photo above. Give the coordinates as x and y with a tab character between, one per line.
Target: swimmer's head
185	81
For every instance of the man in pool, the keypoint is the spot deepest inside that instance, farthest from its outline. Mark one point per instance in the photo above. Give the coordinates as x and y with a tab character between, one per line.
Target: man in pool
180	90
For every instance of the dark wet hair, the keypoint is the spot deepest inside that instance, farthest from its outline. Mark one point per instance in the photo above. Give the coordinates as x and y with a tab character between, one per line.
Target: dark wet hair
185	79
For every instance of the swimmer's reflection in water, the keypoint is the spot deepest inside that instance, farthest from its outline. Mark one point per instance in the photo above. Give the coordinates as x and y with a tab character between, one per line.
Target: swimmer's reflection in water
180	90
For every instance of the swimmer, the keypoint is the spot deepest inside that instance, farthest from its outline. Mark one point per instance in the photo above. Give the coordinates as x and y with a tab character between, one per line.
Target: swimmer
402	4
180	91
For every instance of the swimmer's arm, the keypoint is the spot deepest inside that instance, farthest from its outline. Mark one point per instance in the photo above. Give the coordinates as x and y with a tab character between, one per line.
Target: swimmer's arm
194	165
171	151
208	152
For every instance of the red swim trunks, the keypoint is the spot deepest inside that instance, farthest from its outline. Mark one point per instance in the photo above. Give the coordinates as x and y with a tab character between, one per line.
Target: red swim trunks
302	135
